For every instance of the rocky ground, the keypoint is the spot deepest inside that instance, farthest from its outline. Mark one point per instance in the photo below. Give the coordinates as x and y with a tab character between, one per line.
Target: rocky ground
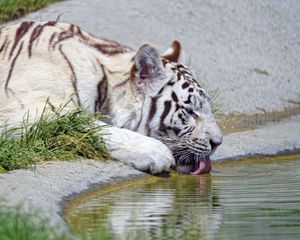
248	50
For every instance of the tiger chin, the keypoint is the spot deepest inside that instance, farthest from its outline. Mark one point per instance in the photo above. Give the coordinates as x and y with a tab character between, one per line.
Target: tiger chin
161	117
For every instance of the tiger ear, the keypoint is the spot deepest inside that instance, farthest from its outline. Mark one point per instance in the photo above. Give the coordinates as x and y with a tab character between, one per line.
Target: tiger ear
150	74
173	53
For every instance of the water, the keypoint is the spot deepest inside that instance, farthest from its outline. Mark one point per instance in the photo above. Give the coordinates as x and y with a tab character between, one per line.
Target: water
237	201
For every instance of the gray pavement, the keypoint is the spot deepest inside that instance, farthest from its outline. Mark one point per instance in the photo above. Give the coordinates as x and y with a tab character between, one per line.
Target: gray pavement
271	139
249	50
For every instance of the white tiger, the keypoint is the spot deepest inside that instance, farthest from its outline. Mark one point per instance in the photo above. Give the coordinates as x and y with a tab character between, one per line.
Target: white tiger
160	114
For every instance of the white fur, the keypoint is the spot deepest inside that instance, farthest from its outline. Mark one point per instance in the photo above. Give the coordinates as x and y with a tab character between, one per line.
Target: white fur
142	152
47	74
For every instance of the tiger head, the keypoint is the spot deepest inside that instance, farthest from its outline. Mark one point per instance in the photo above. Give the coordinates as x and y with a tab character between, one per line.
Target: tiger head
179	110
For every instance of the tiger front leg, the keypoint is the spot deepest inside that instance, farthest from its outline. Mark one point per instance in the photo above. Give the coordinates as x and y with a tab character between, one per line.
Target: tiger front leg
141	152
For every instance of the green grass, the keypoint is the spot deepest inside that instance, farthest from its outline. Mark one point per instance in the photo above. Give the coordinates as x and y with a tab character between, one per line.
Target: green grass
12	9
26	226
214	95
60	136
18	225
215	100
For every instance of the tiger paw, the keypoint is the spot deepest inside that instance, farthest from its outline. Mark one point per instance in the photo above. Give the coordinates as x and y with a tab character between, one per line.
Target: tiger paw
141	152
153	157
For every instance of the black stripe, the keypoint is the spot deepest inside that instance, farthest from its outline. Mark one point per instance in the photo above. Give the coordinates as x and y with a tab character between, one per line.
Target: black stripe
198	147
62	36
188	101
152	112
152	109
71	28
73	78
171	83
102	91
34	35
167	108
21	31
189	129
183	121
5	48
161	90
12	66
183	133
4	44
176	130
202	94
185	85
174	97
50	23
185	72
51	39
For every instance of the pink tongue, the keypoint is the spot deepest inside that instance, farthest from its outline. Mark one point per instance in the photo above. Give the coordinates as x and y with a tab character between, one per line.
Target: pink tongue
204	167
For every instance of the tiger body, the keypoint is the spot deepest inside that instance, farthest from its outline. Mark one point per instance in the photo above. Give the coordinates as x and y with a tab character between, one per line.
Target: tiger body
63	52
141	91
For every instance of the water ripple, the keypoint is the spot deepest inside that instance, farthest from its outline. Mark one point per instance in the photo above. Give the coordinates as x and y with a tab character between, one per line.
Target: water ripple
251	201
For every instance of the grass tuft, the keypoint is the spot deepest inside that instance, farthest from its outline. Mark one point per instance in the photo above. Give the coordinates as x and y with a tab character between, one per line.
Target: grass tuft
60	136
26	226
215	100
214	95
16	224
12	9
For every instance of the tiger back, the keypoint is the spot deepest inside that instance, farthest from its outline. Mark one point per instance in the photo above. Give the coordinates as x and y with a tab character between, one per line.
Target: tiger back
56	60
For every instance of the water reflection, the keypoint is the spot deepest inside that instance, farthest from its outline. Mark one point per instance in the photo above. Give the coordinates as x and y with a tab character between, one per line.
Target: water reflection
243	201
170	207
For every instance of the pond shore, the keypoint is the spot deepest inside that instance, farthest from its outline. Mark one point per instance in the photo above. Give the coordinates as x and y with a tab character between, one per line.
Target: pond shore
248	51
50	185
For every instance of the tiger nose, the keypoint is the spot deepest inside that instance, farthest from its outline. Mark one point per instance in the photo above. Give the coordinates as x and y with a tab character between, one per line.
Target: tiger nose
214	144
